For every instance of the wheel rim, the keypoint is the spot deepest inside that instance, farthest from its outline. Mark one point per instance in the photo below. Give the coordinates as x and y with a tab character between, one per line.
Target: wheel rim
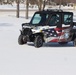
25	39
40	42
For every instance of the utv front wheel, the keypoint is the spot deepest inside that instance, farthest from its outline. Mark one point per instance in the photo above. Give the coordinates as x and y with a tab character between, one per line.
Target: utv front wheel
38	42
22	40
75	42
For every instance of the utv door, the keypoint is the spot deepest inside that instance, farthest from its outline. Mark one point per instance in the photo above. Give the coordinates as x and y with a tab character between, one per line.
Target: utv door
67	21
54	23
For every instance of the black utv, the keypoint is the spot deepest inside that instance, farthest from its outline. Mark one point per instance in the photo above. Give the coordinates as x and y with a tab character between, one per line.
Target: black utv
49	26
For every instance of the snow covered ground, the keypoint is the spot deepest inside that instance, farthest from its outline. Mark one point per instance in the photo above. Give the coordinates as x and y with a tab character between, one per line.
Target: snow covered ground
14	6
51	59
32	7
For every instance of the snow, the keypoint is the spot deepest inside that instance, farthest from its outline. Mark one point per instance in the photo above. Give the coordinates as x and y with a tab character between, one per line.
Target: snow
14	6
32	7
62	7
15	59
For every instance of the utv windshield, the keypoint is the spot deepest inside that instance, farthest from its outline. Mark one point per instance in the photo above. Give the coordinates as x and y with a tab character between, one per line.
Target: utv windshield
39	19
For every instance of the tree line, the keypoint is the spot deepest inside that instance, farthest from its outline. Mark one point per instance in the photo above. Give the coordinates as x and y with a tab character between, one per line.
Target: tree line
40	3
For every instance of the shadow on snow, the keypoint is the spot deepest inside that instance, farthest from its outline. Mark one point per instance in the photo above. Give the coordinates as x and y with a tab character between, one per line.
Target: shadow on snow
5	24
52	44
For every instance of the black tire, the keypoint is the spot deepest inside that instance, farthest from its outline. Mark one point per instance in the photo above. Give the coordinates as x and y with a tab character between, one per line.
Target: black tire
25	39
38	42
74	42
22	40
63	43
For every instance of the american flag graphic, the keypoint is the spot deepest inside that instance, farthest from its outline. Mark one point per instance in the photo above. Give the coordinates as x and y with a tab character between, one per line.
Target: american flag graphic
50	33
53	35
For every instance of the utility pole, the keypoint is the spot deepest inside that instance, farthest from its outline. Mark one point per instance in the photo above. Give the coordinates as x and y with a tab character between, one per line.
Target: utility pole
18	9
27	4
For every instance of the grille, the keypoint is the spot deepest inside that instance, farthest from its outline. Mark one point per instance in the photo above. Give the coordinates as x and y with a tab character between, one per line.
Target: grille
27	31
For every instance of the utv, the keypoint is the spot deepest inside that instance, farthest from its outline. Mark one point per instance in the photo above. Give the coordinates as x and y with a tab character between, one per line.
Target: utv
49	26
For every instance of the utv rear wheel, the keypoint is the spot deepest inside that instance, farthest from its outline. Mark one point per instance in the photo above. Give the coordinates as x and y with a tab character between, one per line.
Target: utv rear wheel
75	42
63	43
38	42
22	40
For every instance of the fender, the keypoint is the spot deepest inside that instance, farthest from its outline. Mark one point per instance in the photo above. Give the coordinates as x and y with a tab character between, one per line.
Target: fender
21	32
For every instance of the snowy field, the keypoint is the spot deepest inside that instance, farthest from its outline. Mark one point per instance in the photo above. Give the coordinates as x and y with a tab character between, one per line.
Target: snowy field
51	59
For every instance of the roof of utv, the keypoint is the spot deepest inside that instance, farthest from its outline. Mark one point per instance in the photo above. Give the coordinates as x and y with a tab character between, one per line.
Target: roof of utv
53	11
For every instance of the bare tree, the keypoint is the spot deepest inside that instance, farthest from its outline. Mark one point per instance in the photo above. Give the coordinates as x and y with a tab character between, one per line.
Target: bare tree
1	2
44	4
18	9
39	3
27	4
60	4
